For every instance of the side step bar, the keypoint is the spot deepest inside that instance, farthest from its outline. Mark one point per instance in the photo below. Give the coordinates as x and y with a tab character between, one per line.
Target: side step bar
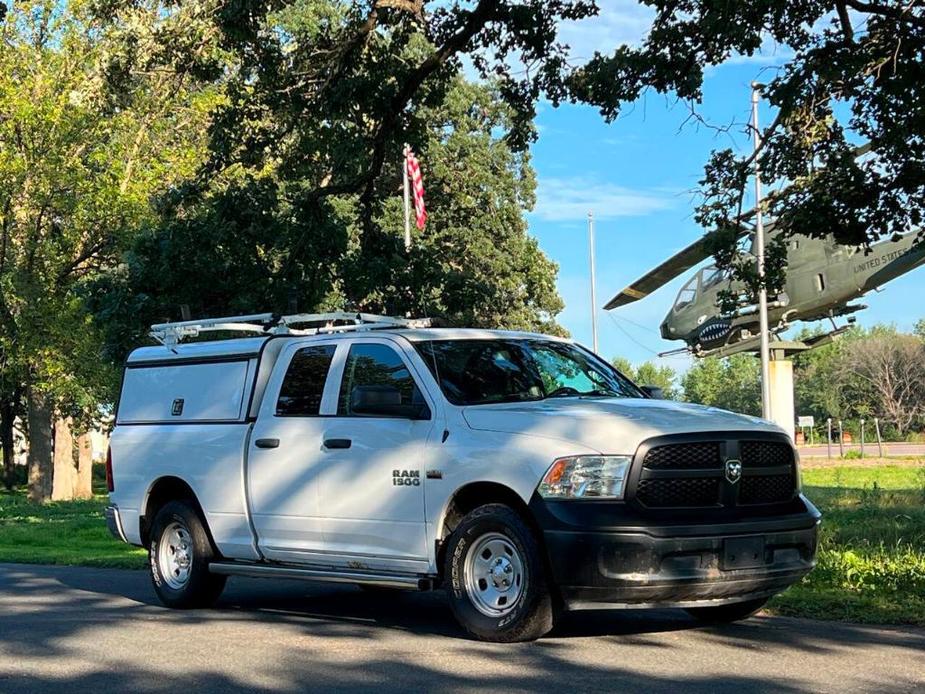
407	581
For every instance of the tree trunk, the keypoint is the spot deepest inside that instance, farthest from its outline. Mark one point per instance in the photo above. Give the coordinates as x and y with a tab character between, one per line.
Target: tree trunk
41	467
83	487
7	415
63	482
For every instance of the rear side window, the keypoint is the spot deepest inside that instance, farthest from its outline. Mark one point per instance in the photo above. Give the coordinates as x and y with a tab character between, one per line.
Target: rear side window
303	385
377	377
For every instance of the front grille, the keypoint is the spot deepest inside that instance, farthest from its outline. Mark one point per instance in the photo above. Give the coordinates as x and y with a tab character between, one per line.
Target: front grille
679	474
765	454
766	489
679	493
685	456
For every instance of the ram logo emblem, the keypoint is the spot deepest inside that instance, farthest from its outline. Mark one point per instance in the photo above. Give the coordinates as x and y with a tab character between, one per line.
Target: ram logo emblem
733	471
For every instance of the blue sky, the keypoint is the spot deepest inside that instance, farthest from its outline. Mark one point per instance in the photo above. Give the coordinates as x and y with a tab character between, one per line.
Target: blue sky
638	175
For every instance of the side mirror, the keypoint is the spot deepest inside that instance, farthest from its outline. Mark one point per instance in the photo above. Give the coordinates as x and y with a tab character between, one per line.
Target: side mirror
384	401
654	392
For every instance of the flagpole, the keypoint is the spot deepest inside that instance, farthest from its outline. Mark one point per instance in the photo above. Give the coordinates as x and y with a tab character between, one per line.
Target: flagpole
764	340
593	283
404	168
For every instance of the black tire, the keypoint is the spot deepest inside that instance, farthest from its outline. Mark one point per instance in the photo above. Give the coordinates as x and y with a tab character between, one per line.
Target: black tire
532	615
725	614
200	588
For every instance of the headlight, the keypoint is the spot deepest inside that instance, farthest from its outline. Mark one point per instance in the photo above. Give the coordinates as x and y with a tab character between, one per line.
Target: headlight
586	477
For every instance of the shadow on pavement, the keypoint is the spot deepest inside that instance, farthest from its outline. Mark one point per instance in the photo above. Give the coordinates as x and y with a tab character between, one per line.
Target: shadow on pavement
45	611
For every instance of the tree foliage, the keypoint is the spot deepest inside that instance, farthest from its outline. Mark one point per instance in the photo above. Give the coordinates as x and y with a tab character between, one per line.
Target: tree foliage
878	372
650	374
76	174
295	208
866	374
732	383
853	72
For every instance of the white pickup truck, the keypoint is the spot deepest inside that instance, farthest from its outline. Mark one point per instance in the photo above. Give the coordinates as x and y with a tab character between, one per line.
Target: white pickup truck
519	472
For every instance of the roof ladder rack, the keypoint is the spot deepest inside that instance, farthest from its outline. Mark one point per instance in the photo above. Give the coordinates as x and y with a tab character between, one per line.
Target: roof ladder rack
274	324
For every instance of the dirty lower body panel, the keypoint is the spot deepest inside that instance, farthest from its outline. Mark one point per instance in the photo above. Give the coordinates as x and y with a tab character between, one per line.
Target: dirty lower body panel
681	565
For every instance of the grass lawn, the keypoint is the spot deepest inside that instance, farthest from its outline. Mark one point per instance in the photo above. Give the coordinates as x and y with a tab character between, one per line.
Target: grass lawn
872	548
62	532
871	556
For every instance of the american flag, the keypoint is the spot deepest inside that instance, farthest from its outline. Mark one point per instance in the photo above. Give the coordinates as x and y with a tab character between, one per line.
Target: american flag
417	187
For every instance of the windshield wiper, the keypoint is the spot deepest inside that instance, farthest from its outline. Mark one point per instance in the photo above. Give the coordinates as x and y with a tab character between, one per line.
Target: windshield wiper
601	394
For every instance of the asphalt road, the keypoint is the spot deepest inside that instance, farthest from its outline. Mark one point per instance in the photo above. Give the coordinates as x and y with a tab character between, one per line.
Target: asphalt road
870	449
78	629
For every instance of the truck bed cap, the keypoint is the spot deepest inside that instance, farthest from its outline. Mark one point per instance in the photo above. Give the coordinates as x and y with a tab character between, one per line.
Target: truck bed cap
242	347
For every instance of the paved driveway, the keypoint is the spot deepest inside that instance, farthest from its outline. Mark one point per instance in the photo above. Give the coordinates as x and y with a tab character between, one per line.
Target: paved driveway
78	629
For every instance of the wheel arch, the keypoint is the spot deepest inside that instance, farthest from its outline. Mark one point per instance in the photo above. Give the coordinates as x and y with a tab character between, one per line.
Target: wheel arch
162	491
469	497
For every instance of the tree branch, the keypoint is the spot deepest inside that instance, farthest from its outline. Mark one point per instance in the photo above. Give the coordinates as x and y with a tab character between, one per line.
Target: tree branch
845	20
901	15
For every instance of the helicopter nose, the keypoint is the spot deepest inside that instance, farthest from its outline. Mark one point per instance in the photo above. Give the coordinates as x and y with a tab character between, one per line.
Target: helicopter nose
666	331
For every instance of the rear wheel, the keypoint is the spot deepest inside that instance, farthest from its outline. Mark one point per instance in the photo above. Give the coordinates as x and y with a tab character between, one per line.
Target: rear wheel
496	578
724	614
179	558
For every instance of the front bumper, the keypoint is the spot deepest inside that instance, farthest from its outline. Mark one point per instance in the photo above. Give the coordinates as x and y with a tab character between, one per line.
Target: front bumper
114	523
672	565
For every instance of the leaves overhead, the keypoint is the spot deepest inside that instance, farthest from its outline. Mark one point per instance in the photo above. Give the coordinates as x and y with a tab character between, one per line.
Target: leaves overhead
852	72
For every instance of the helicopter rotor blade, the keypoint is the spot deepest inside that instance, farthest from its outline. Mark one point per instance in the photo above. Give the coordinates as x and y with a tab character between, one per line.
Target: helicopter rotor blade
687	258
677	264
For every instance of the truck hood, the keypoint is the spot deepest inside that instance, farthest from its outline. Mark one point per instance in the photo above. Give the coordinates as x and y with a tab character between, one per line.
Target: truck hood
608	425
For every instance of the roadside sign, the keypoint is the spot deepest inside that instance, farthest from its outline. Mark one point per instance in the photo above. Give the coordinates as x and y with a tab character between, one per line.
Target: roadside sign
806	421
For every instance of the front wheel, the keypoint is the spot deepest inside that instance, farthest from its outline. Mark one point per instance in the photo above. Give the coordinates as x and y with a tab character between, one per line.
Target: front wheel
496	577
179	558
725	614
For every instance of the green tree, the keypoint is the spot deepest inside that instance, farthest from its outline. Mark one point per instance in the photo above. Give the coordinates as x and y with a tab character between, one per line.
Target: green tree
255	243
650	374
920	328
890	366
732	383
77	166
848	69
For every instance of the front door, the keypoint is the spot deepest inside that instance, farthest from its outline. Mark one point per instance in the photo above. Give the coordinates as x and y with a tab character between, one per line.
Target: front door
371	485
285	454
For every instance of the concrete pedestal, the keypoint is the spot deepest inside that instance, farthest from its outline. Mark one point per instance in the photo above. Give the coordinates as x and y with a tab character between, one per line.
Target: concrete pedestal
783	412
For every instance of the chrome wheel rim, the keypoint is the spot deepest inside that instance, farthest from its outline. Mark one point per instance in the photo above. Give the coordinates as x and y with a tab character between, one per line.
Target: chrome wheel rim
175	555
494	575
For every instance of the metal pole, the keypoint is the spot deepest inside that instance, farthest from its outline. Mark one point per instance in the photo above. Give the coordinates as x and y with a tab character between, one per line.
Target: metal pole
593	283
404	168
759	251
862	437
841	440
879	440
830	437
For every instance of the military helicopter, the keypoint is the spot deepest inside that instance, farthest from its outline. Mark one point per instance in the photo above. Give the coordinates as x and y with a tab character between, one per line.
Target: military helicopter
823	278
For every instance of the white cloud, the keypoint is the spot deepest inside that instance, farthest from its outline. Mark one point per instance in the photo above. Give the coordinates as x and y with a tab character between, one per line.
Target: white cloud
566	199
619	22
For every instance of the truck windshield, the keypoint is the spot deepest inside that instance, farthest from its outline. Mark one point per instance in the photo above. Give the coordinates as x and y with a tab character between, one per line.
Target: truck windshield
480	372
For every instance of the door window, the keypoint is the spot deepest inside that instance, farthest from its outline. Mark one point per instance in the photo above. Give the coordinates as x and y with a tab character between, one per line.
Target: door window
377	383
303	385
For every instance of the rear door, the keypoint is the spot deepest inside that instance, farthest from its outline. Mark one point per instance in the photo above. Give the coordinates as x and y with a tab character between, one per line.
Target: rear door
371	485
285	453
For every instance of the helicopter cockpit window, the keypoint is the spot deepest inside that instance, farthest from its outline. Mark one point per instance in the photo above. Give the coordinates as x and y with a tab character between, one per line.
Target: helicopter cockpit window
687	295
711	276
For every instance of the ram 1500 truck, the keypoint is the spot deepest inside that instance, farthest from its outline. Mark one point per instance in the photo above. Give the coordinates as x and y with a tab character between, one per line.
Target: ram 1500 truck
521	473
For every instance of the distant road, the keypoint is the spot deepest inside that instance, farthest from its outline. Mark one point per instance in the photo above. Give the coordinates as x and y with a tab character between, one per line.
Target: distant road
870	449
76	629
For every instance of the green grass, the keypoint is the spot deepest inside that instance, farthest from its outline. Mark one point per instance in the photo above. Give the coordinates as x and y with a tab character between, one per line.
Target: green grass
871	555
61	532
872	547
